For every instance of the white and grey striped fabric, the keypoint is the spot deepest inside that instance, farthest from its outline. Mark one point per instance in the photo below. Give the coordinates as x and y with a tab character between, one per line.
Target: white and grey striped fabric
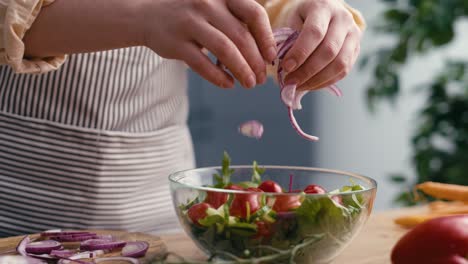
91	145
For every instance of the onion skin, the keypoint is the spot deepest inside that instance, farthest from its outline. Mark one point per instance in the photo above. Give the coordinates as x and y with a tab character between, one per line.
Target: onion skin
438	241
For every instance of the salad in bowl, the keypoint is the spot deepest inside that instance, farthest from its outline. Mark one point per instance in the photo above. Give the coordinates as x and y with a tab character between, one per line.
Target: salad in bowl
271	214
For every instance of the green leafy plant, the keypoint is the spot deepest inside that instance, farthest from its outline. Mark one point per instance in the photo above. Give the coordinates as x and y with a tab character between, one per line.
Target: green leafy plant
440	142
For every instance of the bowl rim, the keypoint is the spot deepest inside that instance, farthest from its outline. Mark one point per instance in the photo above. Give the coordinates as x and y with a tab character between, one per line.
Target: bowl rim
372	182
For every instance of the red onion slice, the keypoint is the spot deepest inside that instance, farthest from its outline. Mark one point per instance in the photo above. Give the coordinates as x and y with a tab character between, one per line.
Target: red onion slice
42	247
63	253
135	249
58	232
289	96
252	128
21	248
87	254
96	244
114	259
298	128
74	238
335	90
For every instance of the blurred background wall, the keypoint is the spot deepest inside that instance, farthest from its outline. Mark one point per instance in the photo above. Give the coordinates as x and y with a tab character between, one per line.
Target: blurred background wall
351	138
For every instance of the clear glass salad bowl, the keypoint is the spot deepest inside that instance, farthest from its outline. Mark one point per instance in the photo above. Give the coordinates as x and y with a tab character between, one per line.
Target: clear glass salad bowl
243	224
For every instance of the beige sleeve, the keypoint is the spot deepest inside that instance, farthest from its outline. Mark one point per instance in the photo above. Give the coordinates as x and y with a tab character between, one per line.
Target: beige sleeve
16	17
279	10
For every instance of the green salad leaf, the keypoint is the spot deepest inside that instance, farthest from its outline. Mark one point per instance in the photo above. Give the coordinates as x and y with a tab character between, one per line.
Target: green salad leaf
257	173
224	179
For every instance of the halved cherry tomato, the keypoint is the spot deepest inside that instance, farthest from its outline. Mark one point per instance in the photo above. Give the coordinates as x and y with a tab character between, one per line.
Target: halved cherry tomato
216	199
284	203
313	188
239	203
270	186
198	211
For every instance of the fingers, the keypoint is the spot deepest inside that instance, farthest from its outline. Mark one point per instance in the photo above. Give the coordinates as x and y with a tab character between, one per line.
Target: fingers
243	39
256	19
226	51
323	55
312	33
201	64
339	67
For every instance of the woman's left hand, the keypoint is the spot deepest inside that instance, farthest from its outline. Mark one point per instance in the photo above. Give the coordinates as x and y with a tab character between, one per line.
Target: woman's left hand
327	46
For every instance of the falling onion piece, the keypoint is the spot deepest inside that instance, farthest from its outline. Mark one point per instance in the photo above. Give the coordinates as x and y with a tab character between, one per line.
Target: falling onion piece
252	128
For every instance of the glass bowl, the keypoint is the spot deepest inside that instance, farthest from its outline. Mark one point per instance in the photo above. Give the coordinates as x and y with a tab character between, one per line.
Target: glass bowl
268	227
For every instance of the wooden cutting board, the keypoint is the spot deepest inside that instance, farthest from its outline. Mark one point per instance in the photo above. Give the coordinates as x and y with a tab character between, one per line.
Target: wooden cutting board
156	248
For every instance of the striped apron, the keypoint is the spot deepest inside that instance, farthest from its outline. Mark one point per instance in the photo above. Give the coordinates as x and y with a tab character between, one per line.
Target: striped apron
91	145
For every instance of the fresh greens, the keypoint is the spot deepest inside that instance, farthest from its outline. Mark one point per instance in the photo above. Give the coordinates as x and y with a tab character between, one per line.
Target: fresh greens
259	234
225	178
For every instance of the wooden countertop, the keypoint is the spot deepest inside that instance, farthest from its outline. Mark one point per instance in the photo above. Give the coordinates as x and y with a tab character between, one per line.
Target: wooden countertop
373	244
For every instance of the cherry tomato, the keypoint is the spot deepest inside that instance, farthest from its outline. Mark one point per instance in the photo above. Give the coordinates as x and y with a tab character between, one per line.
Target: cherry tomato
216	199
198	211
239	203
263	229
270	186
284	203
313	188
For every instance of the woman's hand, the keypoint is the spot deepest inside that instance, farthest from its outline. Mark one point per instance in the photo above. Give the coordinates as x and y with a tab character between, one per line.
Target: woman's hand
327	46
237	32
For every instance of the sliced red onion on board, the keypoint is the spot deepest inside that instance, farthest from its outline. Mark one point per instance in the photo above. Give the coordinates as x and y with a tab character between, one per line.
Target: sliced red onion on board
21	248
252	128
42	256
73	261
87	254
63	253
115	259
96	244
20	260
42	247
135	249
58	232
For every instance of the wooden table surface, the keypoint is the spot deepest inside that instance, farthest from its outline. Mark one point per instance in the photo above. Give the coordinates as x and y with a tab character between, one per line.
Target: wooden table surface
372	246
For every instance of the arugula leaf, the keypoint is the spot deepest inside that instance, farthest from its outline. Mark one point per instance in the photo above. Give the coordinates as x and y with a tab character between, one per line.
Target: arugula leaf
257	173
224	179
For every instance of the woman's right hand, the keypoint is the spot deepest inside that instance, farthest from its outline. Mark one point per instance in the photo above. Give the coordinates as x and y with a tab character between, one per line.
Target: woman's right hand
237	32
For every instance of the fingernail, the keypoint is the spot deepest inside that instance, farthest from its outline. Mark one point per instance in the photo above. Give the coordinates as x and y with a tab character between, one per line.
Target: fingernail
291	81
261	78
289	65
271	53
250	82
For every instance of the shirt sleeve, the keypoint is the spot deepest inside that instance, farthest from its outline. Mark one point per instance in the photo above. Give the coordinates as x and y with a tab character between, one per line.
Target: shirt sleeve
16	17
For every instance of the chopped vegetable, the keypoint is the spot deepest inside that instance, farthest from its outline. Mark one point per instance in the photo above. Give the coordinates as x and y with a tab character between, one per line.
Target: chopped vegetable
252	128
270	186
198	211
438	241
135	249
42	247
313	188
445	191
117	259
